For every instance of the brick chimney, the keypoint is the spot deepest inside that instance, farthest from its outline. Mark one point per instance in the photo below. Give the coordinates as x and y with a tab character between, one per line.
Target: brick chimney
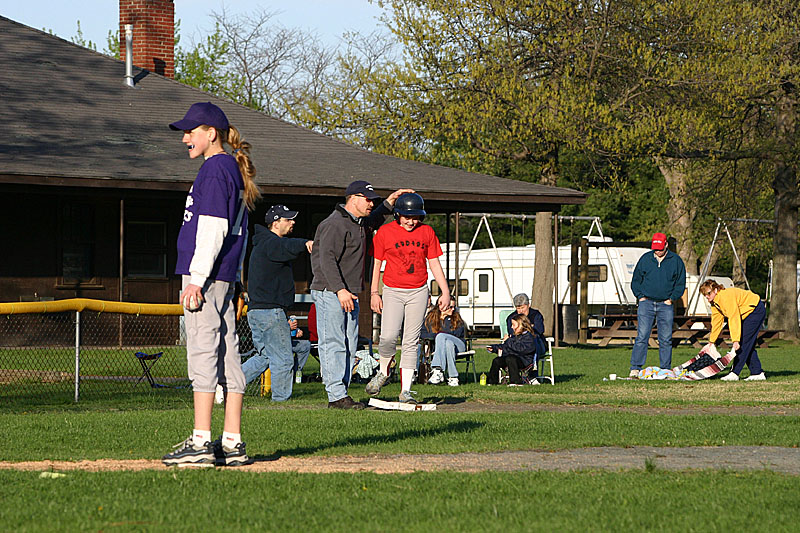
153	34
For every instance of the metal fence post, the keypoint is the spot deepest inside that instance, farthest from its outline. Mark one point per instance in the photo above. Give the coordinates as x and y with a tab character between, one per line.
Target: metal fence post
77	354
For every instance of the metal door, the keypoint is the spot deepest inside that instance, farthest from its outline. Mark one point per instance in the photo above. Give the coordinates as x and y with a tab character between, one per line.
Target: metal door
483	296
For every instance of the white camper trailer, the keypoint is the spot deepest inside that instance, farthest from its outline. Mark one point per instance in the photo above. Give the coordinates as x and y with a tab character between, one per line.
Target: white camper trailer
489	278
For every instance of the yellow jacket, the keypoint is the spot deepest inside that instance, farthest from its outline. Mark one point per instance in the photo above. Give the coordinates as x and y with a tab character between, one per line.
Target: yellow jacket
733	304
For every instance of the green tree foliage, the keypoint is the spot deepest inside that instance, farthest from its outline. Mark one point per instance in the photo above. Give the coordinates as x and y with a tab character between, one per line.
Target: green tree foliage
619	88
80	40
205	66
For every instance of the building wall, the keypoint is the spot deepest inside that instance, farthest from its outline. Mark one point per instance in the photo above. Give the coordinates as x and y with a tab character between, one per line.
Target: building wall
63	242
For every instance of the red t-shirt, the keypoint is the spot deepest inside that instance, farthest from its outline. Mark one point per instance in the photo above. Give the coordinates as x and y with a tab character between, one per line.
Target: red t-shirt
405	253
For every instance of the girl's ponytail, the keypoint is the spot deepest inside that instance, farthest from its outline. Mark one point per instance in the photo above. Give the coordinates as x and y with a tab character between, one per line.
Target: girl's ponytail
241	151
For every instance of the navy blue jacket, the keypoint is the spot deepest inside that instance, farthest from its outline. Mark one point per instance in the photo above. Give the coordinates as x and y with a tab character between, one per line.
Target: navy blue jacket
537	321
522	346
270	283
659	282
446	328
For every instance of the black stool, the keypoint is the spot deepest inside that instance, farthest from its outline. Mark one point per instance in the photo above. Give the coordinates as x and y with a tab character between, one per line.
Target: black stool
148	361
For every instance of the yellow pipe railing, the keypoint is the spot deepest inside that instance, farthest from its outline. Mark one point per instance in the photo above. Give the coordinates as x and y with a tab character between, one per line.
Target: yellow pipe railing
85	304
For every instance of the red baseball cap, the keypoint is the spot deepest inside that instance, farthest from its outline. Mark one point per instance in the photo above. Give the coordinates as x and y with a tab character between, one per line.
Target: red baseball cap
659	241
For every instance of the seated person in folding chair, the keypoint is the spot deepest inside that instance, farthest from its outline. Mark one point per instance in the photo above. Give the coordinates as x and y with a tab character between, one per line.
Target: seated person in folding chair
301	348
517	351
522	304
446	329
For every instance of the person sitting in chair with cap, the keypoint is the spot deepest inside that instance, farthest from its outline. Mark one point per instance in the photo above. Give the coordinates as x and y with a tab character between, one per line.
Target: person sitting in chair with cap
659	279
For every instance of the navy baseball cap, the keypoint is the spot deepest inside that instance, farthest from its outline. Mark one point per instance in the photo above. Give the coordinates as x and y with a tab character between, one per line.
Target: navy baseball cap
362	187
279	211
199	114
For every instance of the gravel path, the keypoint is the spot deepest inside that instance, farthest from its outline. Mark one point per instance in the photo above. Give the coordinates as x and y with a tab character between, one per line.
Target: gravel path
740	458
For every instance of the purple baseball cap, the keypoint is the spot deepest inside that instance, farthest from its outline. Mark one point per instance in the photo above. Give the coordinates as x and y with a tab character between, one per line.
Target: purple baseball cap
199	114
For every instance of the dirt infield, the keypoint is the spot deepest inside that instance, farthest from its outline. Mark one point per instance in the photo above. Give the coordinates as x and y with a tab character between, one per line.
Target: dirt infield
739	458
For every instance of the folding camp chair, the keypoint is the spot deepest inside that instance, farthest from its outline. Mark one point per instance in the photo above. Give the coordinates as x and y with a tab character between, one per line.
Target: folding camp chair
148	361
426	357
539	366
468	357
424	361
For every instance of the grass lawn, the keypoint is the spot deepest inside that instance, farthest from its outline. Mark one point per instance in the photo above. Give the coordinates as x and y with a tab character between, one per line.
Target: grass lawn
145	423
579	381
444	501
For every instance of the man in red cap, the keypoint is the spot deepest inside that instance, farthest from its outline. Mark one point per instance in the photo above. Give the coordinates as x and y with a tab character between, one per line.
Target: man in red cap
659	279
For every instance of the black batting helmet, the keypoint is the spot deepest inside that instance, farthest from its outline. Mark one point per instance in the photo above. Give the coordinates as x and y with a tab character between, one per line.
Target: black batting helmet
409	204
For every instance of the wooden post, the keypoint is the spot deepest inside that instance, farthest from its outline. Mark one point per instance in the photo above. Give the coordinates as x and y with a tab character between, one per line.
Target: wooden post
573	273
583	336
447	246
121	262
458	247
555	281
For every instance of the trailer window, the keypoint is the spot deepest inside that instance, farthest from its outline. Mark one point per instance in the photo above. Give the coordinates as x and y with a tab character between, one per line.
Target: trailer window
596	273
463	287
483	283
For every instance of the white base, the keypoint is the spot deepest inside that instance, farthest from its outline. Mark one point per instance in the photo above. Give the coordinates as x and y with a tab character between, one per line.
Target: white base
400	406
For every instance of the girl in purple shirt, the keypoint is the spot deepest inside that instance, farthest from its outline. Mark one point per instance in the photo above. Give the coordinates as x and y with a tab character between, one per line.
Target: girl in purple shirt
211	246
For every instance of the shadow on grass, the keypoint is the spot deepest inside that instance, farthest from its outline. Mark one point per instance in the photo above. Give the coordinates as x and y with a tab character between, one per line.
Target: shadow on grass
780	373
447	400
90	400
453	427
561	378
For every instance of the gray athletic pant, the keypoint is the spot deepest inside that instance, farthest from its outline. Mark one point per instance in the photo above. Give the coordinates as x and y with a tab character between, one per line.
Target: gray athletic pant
212	347
402	309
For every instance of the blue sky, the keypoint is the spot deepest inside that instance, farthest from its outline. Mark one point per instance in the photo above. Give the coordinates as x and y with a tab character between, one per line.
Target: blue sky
328	18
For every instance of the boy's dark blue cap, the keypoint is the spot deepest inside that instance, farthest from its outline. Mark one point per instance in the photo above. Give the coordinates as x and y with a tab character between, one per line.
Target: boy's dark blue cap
279	211
202	113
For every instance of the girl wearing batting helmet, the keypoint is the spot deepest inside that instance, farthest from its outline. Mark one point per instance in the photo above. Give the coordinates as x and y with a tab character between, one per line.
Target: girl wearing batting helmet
409	247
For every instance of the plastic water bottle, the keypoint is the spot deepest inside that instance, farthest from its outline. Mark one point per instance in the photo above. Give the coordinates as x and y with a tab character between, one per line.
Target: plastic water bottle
294	331
483	379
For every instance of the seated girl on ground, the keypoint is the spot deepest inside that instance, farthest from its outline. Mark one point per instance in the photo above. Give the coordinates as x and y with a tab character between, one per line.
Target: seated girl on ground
517	351
447	329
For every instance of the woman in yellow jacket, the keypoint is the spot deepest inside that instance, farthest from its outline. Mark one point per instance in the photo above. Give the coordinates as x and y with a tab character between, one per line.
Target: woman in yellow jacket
745	313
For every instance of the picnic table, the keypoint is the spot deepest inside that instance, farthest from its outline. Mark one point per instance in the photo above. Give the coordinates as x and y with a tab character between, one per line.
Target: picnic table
693	329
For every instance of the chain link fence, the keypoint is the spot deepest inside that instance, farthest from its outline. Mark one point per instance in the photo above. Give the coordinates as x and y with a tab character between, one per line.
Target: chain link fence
79	354
89	354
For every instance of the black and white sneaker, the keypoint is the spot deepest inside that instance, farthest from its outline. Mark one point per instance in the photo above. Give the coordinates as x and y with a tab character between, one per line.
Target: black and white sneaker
377	382
187	453
226	456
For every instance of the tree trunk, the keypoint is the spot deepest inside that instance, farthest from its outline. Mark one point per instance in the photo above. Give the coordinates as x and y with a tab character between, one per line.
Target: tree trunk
741	239
681	214
542	293
783	308
542	290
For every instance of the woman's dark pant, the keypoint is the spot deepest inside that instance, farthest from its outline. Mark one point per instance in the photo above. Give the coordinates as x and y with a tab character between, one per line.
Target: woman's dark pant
747	353
504	361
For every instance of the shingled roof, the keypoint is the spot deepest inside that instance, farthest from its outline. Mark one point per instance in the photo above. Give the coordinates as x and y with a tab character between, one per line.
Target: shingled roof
68	119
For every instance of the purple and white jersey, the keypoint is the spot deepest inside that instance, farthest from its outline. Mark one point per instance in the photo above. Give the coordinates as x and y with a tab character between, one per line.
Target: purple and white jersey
213	236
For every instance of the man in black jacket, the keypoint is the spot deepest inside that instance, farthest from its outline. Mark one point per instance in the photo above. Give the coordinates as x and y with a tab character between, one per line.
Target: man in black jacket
270	287
338	259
